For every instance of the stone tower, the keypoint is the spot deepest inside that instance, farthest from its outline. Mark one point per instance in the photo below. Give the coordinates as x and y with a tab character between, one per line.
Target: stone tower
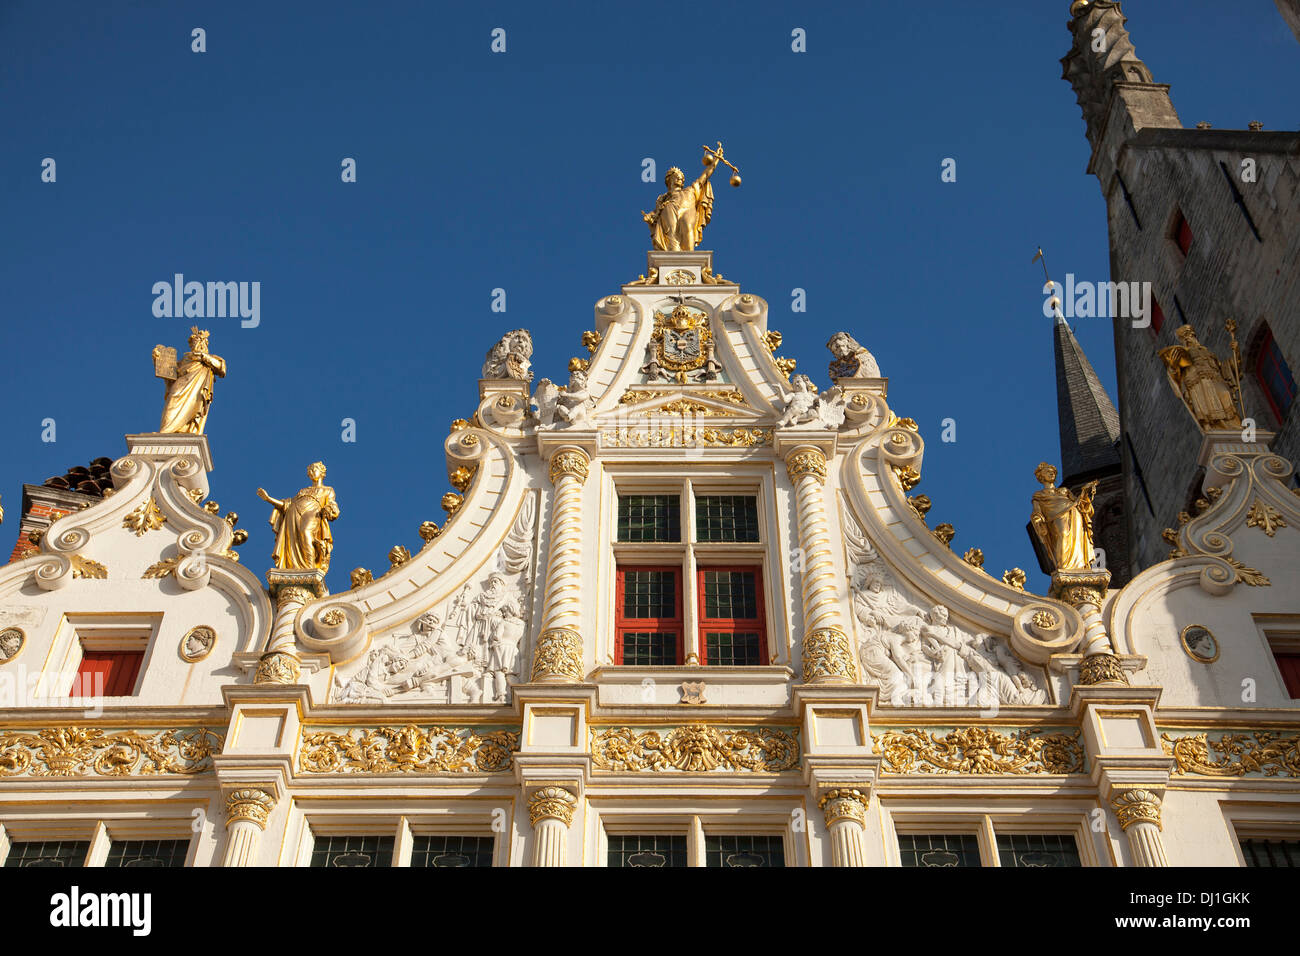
1211	220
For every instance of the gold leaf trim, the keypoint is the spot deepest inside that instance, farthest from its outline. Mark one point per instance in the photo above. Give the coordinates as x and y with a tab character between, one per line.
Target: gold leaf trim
1249	576
694	748
1264	517
83	567
147	517
979	750
1235	754
90	751
408	749
161	569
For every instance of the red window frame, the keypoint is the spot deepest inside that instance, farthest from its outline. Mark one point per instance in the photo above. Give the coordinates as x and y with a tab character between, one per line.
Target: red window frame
119	670
623	625
705	624
1289	664
1182	233
1157	316
1270	358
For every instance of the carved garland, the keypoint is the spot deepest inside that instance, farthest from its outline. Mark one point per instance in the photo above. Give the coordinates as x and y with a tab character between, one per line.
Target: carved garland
979	750
90	751
1235	754
408	749
694	748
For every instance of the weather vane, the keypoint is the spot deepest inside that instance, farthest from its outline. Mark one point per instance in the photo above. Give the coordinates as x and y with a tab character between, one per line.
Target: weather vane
680	214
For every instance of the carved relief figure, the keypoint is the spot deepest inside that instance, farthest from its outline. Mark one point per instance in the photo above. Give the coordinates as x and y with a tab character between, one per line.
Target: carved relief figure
1202	381
652	369
189	384
805	406
564	407
302	524
920	658
511	357
851	359
1062	522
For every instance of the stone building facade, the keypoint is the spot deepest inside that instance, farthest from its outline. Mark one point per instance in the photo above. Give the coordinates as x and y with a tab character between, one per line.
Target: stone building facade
1211	219
684	611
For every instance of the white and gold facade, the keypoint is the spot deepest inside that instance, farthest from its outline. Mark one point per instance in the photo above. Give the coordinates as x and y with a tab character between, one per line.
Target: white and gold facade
479	698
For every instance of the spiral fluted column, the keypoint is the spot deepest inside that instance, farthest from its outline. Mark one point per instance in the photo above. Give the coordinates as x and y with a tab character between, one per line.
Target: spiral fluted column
827	652
1138	812
279	664
550	810
1085	591
558	658
246	812
846	818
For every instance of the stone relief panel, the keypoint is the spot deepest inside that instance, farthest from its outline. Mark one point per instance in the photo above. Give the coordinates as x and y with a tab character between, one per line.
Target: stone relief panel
915	652
467	649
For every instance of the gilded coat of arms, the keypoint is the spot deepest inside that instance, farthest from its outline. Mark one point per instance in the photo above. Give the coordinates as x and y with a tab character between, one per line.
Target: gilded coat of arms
681	343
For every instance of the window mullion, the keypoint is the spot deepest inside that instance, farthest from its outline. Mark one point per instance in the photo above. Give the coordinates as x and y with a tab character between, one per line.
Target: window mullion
989	842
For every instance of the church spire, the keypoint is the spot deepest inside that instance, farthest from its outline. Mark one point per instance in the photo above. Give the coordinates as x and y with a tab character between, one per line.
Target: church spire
1089	423
1114	88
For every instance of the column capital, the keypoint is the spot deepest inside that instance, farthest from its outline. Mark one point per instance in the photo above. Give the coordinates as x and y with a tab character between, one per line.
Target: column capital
828	657
845	803
1136	805
569	461
551	803
558	656
806	462
249	803
1102	669
278	667
1079	588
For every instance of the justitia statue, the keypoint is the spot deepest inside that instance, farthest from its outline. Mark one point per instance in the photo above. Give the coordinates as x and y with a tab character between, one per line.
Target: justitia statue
680	215
1063	522
189	384
301	524
1204	382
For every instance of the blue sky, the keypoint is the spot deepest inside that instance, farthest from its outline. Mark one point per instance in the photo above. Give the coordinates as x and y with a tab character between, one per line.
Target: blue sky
521	171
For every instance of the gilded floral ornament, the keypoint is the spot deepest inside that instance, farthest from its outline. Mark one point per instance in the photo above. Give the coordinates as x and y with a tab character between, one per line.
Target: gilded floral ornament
979	750
1101	669
808	463
591	341
428	531
398	556
360	577
1248	576
451	502
90	751
1045	620
83	567
407	749
161	569
687	436
461	477
828	657
908	477
1265	517
694	748
1235	754
278	667
944	533
920	505
147	517
844	803
1014	578
558	656
570	462
974	557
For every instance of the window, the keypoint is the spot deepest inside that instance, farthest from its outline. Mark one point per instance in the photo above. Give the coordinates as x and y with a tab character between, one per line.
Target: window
649	617
447	851
1274	375
48	853
943	849
1037	850
744	851
731	625
164	853
1181	232
642	850
107	673
692	598
358	851
1262	852
1289	665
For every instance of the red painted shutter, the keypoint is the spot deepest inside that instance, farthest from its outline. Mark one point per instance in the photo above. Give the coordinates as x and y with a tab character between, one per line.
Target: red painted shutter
114	671
1289	665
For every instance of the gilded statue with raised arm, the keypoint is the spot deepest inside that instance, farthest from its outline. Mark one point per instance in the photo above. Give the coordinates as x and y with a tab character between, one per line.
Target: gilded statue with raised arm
1063	522
303	541
680	214
189	384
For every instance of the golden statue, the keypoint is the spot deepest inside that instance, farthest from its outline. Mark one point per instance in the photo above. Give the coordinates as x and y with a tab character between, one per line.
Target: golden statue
189	384
680	215
301	524
1062	522
1206	384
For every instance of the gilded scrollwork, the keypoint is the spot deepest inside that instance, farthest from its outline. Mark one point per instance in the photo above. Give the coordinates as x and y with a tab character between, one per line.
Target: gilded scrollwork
92	751
407	749
695	748
1235	754
979	750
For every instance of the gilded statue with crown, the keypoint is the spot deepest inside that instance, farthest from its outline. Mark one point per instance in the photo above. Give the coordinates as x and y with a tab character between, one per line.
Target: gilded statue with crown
1209	386
303	541
680	214
189	384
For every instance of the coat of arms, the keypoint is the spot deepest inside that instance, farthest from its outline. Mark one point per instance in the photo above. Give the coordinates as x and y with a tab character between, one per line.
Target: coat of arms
680	343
